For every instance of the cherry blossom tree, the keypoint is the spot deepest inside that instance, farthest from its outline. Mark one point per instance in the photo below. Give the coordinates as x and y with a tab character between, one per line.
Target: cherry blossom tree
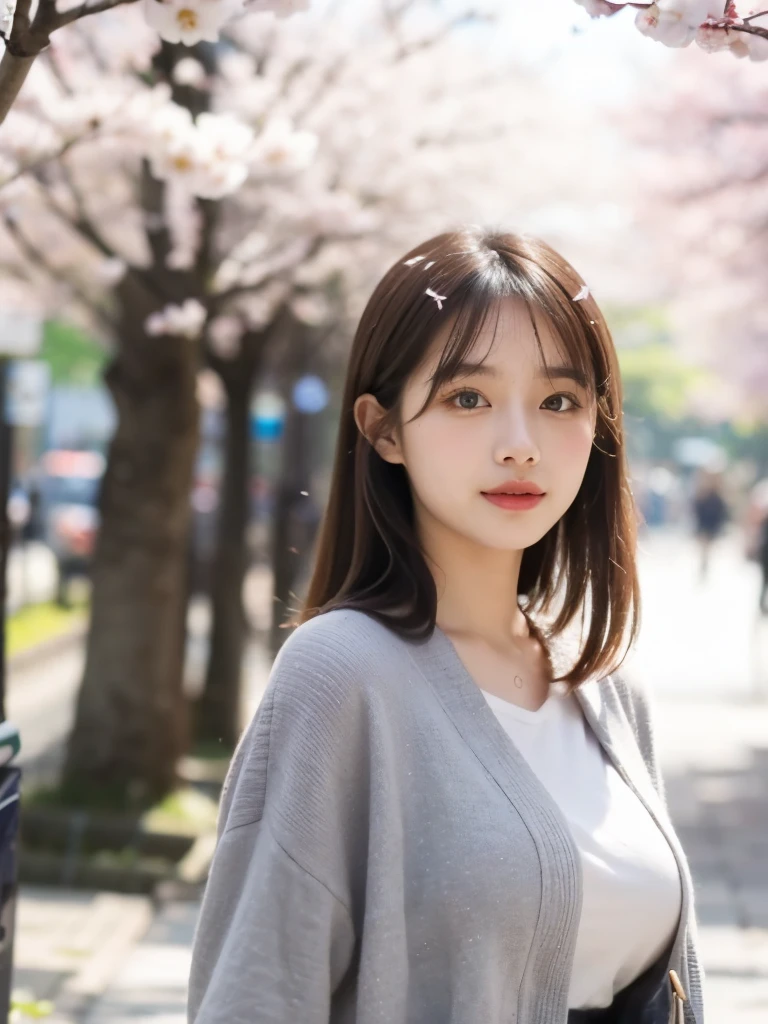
27	34
100	231
115	172
194	206
700	161
714	25
178	201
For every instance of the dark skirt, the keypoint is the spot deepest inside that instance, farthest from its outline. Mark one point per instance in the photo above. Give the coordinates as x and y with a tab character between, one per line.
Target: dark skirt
647	1000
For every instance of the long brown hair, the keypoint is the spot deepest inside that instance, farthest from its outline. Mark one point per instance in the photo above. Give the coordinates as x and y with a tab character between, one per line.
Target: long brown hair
368	555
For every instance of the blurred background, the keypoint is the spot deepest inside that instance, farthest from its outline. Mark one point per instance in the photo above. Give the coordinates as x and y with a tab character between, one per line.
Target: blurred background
177	302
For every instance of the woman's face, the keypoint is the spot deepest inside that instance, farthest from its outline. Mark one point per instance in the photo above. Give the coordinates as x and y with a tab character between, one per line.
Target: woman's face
503	422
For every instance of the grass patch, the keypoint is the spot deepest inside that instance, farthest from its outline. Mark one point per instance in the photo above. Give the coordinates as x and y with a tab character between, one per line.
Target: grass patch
185	811
37	623
99	798
211	750
24	1007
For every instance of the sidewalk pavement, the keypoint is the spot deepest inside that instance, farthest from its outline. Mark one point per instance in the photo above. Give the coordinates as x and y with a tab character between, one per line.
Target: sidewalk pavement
714	759
715	764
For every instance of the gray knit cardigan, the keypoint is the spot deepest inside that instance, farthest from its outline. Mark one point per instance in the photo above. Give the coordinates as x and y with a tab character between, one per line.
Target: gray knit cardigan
386	855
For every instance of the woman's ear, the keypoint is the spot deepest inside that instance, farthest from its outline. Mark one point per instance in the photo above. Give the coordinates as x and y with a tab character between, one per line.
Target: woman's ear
368	413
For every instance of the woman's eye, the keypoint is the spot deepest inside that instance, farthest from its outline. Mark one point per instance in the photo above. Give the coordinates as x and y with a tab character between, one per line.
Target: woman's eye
461	395
467	400
568	398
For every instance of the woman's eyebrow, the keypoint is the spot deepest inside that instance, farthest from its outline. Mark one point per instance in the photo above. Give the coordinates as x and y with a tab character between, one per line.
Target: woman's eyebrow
469	369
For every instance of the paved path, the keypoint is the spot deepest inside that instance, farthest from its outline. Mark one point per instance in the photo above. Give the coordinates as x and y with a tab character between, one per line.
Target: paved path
715	764
701	638
32	574
41	702
69	945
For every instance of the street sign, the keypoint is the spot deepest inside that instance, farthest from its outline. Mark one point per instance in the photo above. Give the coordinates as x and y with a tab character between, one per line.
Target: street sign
21	333
310	394
267	416
26	399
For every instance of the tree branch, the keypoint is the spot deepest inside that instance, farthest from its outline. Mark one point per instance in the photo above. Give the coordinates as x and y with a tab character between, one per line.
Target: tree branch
83	225
29	37
406	50
724	183
218	300
37	258
90	8
37	165
750	29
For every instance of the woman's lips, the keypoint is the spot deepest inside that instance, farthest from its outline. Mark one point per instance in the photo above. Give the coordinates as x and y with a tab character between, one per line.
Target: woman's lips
517	502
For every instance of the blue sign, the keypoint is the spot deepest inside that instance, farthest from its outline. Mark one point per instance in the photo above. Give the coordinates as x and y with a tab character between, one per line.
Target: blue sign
267	417
310	394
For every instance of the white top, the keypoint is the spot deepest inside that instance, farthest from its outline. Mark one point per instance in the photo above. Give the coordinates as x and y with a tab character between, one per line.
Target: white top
632	887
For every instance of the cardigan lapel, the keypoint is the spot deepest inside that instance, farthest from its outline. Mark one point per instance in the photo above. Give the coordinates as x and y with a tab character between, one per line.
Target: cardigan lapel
560	862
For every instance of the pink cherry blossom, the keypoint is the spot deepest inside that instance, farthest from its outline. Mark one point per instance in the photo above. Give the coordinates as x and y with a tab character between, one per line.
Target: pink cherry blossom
714	26
190	21
600	8
185	320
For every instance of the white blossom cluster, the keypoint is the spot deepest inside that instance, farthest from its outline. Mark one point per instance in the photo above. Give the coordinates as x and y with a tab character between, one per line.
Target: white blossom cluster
191	21
7	10
209	155
184	321
311	163
711	24
212	156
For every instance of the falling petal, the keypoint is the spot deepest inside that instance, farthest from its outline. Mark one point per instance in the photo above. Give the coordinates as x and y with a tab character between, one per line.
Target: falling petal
439	299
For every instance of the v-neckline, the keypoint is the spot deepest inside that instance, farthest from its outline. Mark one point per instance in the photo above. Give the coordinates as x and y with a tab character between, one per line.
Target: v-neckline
464	702
530	716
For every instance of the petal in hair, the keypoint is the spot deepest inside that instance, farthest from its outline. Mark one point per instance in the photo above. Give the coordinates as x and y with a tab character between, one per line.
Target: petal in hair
583	294
410	263
439	299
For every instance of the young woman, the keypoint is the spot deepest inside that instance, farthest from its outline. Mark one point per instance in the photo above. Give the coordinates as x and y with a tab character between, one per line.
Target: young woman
448	808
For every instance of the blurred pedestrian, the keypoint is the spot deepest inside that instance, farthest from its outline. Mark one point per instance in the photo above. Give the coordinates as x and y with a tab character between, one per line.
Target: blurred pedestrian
710	512
762	558
427	819
756	536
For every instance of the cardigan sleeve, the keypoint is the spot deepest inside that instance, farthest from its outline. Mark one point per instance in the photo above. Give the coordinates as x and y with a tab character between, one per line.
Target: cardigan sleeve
275	935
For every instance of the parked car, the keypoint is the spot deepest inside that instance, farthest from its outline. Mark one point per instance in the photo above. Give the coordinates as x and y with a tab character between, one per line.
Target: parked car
69	493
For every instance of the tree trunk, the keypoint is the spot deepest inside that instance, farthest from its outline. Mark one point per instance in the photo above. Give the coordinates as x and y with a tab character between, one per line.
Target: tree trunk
217	713
130	727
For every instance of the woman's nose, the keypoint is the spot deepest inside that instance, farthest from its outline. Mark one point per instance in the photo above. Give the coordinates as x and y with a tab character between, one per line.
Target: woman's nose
515	438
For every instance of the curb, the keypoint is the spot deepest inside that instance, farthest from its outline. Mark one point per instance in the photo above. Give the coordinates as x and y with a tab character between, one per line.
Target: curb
80	991
42	651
